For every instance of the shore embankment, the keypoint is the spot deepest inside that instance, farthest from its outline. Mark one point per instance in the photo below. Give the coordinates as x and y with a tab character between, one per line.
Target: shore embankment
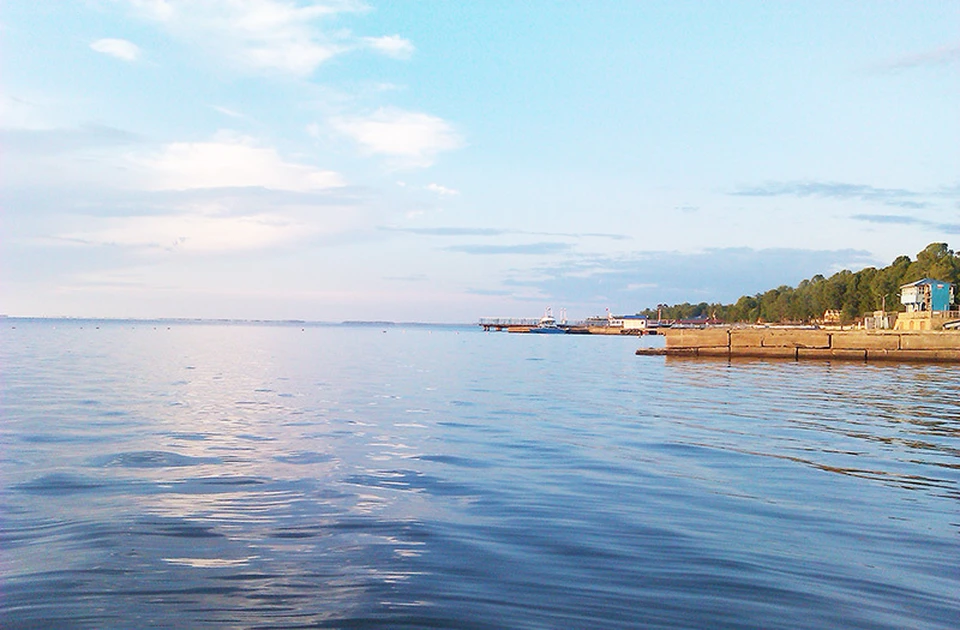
804	343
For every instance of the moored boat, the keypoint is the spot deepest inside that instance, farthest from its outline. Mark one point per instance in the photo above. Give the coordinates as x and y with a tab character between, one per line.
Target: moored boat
548	325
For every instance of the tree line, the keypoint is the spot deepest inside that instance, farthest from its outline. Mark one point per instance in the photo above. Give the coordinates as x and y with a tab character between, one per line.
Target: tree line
853	294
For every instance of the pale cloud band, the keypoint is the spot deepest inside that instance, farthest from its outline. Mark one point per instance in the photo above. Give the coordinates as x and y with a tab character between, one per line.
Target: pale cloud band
189	233
230	161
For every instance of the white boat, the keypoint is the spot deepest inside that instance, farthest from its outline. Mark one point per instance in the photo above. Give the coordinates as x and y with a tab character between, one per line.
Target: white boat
548	325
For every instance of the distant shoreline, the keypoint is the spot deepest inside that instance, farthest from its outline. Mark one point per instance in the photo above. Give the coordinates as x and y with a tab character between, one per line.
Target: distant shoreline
237	321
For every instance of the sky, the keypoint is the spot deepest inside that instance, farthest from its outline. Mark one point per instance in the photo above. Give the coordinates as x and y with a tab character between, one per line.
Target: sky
444	161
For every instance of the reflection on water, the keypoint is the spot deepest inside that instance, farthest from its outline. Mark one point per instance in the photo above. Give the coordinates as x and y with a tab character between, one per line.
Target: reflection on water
290	476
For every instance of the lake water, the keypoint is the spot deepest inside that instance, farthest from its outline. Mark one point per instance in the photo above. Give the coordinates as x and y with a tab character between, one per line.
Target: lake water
280	476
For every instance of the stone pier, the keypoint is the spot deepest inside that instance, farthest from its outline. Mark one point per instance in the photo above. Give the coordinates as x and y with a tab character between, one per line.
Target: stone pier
806	343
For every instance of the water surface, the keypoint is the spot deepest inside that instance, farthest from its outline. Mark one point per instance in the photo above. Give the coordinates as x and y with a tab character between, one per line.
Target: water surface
222	475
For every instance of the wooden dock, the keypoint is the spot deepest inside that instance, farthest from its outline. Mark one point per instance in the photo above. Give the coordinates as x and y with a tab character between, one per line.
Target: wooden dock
518	324
524	325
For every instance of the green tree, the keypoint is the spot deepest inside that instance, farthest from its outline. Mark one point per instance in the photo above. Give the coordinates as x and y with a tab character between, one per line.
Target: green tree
853	294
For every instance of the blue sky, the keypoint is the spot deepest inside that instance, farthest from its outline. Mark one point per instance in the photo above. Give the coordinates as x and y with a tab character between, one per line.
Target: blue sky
442	161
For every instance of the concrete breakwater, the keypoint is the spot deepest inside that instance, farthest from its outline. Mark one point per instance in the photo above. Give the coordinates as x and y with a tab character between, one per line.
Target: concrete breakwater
801	343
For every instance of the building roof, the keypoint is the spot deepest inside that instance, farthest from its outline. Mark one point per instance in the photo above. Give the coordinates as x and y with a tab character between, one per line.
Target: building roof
632	317
925	281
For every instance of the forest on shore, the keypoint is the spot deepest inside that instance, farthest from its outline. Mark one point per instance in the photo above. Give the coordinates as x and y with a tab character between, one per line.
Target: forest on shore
853	294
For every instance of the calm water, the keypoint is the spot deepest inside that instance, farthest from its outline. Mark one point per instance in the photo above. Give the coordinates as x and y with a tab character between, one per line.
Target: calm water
175	475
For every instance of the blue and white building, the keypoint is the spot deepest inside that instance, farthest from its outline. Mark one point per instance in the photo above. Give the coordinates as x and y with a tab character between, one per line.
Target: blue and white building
927	295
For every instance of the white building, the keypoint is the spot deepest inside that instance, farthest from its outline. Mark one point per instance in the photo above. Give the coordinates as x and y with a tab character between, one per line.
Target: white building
627	322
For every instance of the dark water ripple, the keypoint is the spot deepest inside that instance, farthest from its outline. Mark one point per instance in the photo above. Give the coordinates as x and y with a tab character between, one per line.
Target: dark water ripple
292	477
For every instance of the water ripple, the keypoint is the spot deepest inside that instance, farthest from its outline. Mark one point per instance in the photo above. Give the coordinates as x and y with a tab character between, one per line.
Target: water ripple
151	459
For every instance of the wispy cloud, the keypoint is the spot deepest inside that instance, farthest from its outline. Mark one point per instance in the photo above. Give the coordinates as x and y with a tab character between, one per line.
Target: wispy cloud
270	35
50	141
889	219
119	48
899	219
336	208
491	292
417	277
19	113
462	231
190	233
226	111
413	138
442	190
391	46
898	197
942	56
191	221
612	237
525	249
448	231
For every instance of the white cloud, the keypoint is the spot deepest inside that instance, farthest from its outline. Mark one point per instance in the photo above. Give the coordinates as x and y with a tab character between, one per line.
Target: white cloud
391	46
264	34
442	190
413	137
228	161
119	48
